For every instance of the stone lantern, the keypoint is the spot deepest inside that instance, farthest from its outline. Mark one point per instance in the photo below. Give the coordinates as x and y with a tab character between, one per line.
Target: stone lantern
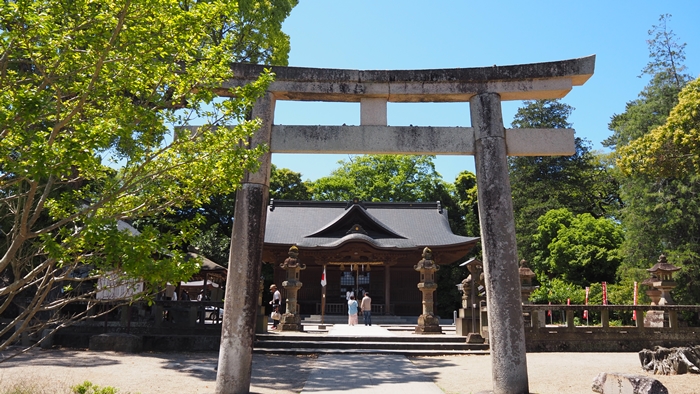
663	271
526	286
660	285
469	323
291	320
653	293
428	323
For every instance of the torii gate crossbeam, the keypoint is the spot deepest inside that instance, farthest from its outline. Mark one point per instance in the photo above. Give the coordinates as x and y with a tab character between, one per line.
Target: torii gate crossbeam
484	88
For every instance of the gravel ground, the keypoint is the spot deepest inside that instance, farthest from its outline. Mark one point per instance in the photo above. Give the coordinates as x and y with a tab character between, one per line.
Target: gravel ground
54	371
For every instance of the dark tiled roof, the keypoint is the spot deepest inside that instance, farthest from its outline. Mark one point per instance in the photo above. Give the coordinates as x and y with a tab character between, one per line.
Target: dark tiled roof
663	267
207	265
325	224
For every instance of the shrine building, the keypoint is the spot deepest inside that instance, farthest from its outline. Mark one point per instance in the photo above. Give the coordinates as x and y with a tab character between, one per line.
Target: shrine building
365	247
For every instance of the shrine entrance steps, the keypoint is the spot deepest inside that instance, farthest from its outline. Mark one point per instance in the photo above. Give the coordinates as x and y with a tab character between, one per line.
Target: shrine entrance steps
376	319
361	339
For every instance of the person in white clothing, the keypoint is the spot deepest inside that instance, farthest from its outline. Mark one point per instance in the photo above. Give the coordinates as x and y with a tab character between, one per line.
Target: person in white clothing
276	302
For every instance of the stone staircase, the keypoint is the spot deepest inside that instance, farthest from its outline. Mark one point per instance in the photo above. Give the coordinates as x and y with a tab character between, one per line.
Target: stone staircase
376	319
378	339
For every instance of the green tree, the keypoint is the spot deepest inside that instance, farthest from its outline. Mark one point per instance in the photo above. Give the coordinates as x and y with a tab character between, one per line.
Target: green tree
578	249
213	220
666	69
92	82
581	182
379	178
465	189
286	184
214	241
656	147
558	291
671	150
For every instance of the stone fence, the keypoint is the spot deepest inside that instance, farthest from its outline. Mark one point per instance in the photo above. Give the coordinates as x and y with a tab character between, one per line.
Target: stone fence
662	328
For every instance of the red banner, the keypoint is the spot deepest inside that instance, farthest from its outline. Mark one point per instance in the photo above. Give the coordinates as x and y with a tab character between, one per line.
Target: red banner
634	313
585	311
605	293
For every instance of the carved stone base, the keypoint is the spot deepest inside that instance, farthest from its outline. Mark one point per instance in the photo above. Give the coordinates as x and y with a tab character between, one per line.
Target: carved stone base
290	322
475	338
428	324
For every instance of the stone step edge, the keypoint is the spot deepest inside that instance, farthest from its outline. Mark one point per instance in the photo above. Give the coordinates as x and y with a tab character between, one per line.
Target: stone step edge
371	351
315	338
367	344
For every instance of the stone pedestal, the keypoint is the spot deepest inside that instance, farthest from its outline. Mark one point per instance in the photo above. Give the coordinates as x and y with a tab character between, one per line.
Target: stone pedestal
428	324
290	322
463	326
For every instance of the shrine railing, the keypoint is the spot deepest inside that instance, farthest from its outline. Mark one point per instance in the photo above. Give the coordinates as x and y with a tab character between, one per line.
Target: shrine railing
604	334
670	313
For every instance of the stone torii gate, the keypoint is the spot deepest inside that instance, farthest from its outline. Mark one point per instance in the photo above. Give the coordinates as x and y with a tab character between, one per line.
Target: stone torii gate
484	88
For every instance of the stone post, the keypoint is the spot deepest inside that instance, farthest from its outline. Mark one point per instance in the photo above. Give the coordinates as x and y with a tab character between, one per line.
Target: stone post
570	320
506	329
261	322
605	318
245	261
428	323
291	321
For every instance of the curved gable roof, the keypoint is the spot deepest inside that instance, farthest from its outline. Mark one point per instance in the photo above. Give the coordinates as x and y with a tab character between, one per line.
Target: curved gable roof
325	224
357	215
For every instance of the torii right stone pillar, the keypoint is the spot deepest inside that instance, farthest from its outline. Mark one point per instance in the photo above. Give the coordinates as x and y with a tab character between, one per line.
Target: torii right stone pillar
506	328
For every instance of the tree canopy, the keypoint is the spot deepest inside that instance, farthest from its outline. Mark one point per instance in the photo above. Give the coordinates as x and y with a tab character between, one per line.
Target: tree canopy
578	249
672	149
92	91
580	183
379	178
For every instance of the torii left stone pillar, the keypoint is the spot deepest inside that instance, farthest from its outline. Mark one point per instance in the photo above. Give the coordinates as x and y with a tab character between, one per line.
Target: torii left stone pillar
245	265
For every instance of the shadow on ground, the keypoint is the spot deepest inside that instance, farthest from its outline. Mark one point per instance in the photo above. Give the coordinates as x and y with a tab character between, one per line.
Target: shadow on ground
53	357
423	363
271	372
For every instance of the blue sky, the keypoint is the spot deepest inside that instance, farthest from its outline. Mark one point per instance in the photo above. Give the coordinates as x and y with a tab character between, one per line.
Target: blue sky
411	34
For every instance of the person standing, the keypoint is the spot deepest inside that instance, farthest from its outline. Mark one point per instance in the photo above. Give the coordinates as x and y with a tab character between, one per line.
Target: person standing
366	306
276	301
352	311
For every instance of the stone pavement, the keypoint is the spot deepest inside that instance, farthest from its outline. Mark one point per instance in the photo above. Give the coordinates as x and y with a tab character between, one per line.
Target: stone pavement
365	373
53	371
362	373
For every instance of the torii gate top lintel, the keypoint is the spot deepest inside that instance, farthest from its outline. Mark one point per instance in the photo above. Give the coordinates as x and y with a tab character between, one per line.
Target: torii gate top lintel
548	80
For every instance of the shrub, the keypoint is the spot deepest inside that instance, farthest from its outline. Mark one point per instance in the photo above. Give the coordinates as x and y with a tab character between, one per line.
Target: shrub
90	388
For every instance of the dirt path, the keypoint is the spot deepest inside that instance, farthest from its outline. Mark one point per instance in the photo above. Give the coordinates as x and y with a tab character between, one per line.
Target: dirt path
54	371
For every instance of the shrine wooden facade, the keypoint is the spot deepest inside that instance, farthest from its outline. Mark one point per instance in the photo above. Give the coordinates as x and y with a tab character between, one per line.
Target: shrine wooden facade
365	246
